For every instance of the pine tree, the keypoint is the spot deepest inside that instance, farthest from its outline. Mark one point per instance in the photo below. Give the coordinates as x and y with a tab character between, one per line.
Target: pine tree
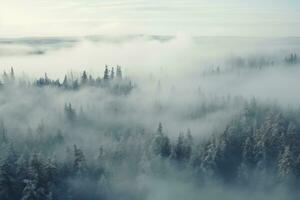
183	147
106	73
47	80
248	152
70	112
12	74
10	181
84	78
179	150
36	182
5	77
161	143
292	138
50	168
112	73
188	141
65	82
119	73
79	164
286	164
51	174
3	133
29	192
58	138
32	192
165	147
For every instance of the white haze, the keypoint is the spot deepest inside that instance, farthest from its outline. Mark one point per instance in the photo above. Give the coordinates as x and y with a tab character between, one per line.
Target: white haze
177	64
170	85
178	61
167	73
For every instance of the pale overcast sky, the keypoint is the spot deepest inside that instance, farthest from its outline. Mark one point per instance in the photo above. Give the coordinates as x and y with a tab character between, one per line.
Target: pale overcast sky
192	17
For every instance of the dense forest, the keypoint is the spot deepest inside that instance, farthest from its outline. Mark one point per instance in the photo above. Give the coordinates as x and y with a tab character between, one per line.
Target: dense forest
149	100
113	144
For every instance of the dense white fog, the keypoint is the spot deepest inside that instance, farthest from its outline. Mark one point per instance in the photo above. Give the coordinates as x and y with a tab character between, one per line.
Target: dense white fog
198	100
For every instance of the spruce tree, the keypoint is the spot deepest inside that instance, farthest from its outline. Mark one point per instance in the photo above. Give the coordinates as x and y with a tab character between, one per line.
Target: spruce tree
3	133
119	73
112	73
286	164
12	74
84	78
79	164
65	82
106	73
161	143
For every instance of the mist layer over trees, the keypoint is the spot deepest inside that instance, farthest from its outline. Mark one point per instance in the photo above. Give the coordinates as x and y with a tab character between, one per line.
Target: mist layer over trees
228	131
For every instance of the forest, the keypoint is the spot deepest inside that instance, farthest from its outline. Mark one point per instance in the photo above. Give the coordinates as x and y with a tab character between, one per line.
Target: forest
149	100
113	137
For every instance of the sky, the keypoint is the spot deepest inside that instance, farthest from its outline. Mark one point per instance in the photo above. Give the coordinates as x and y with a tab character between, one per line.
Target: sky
257	18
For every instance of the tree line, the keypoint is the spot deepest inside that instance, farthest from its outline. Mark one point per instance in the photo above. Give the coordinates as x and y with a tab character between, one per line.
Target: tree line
111	79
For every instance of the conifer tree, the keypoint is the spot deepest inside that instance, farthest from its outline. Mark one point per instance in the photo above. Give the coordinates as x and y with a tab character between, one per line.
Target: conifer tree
286	164
112	73
84	78
119	73
12	74
65	82
47	80
106	73
3	133
10	181
5	77
79	163
70	112
161	143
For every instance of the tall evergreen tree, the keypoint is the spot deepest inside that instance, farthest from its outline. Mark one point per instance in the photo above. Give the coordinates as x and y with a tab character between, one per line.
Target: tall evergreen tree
79	163
5	77
65	82
84	78
3	133
119	73
112	73
161	144
286	164
70	112
10	181
106	73
47	80
12	74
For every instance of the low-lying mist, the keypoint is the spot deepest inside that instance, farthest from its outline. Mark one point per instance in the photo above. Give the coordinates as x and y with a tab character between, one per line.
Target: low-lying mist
181	117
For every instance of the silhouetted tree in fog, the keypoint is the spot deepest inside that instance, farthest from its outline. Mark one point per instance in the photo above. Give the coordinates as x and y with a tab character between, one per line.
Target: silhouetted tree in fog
106	73
84	78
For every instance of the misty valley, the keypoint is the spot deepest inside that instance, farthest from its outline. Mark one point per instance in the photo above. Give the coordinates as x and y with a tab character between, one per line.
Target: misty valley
225	126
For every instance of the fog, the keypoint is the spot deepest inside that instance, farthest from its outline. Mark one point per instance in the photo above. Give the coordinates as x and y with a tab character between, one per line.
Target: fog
136	52
203	86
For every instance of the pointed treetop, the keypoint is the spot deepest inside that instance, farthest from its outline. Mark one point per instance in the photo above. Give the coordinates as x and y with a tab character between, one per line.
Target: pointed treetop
65	82
160	128
84	77
112	73
12	73
119	72
106	73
